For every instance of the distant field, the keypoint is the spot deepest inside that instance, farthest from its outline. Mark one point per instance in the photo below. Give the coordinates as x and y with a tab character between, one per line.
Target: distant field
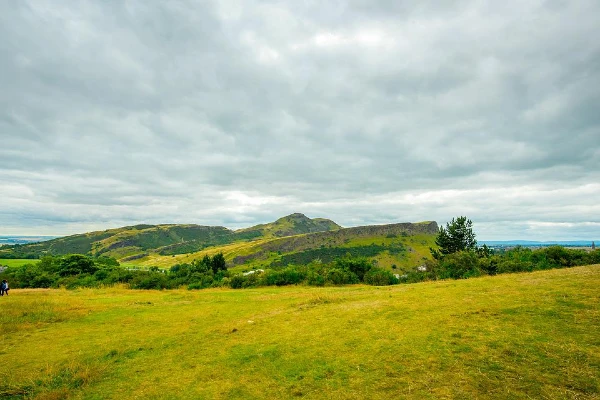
533	335
17	262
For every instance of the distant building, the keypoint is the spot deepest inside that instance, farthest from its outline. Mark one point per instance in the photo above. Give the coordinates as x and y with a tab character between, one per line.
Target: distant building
254	271
593	246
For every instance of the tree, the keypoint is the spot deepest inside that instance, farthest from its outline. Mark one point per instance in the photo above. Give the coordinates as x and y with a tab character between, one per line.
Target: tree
457	236
76	264
218	263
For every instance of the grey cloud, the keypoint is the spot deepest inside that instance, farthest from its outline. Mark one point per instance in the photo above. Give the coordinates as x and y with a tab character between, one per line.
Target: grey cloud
221	112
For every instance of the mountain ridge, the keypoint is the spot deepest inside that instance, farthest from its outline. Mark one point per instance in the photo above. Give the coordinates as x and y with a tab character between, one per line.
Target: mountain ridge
293	239
131	240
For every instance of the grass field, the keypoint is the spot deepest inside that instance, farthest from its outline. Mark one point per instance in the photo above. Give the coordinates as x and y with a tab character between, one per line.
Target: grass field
514	336
17	262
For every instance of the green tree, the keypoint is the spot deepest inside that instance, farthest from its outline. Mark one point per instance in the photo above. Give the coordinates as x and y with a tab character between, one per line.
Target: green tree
75	264
218	263
457	236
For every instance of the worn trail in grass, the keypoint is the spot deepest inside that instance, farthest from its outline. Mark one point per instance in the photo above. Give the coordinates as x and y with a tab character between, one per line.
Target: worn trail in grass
512	336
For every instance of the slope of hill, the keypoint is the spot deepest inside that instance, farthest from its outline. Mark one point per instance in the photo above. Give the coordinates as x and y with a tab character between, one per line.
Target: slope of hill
119	242
133	242
294	239
394	246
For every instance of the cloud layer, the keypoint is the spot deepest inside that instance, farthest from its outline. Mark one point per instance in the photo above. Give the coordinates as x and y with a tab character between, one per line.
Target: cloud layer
365	112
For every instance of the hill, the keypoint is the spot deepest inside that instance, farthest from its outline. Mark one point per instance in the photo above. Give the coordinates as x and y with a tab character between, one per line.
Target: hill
294	239
394	246
293	224
132	242
530	335
119	242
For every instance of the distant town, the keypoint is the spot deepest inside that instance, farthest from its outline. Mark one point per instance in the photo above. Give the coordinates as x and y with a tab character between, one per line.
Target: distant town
509	244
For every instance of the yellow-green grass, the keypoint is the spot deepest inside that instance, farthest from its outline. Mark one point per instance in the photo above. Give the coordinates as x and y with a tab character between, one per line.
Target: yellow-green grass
229	251
417	251
17	262
533	335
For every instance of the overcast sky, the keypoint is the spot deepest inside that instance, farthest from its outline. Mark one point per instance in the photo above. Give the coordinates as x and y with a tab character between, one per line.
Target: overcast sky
236	113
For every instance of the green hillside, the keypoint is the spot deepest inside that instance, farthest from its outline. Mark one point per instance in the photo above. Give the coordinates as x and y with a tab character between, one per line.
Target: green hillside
294	239
404	246
134	242
518	336
120	242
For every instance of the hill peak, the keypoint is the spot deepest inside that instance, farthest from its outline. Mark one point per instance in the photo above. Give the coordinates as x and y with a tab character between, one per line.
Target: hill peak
293	224
294	216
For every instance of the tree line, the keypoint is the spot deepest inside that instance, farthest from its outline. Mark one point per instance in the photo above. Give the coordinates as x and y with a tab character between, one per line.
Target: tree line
77	270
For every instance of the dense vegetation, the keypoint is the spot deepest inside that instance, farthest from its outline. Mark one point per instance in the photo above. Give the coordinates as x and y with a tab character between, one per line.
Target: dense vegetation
76	270
330	254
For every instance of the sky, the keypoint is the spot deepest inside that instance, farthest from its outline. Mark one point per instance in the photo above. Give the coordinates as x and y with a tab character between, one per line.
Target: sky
236	113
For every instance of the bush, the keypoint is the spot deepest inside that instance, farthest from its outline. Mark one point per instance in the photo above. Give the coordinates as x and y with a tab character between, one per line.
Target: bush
315	279
237	281
509	266
198	280
380	277
358	266
149	280
338	276
76	264
489	265
42	281
459	265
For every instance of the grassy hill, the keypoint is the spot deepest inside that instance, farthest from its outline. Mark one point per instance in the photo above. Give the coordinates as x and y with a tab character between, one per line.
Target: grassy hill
402	246
294	239
531	335
120	242
132	242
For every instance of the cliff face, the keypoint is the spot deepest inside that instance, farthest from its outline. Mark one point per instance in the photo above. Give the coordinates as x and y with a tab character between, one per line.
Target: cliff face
426	228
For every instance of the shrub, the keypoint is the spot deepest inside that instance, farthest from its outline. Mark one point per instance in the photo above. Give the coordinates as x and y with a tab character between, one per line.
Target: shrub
358	266
149	280
237	281
75	264
380	277
42	281
315	279
338	276
199	280
509	266
459	265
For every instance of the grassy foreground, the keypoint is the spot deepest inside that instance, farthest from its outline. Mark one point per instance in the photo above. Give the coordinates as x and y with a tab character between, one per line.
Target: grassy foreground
533	335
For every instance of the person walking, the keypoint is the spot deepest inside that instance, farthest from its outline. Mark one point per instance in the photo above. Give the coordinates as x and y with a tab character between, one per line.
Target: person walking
4	288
